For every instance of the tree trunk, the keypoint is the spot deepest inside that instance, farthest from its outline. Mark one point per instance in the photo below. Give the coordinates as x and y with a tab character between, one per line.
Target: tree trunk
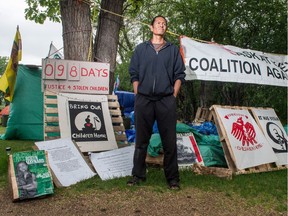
76	24
107	37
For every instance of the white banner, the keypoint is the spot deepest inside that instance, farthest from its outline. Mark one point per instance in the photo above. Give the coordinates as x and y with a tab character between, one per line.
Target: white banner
216	62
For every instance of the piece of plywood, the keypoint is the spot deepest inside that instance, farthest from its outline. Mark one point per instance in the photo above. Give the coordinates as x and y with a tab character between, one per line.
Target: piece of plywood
229	145
51	118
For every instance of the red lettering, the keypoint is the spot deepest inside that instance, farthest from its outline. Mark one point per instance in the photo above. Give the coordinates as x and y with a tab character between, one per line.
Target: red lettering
105	73
73	71
94	72
84	72
91	72
99	72
49	69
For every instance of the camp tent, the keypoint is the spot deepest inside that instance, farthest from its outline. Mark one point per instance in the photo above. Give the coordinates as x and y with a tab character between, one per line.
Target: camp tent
25	120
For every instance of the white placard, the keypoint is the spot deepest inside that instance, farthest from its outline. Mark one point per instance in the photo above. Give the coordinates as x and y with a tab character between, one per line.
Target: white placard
274	132
75	76
86	120
187	150
66	162
248	143
114	163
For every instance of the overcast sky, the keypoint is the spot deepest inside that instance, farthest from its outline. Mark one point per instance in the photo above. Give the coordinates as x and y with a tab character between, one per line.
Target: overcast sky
36	38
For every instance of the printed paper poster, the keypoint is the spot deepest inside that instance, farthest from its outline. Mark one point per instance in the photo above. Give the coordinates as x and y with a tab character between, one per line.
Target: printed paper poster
87	121
248	143
187	150
30	175
274	132
66	162
114	163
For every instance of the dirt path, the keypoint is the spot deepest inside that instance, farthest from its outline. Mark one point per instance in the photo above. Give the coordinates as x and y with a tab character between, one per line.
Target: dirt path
138	202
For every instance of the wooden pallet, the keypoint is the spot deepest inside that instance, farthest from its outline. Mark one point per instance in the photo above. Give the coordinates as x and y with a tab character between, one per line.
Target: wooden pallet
51	119
203	114
229	156
155	160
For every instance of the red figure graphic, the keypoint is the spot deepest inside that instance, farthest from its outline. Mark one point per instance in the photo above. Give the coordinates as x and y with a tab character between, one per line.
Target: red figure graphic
244	132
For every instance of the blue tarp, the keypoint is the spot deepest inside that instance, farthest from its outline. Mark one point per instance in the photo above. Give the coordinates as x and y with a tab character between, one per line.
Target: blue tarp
126	101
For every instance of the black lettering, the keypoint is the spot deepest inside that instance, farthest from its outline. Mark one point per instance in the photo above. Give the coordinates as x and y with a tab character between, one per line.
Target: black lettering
249	70
256	68
214	65
190	64
221	66
234	64
240	64
269	72
202	66
255	56
264	58
247	54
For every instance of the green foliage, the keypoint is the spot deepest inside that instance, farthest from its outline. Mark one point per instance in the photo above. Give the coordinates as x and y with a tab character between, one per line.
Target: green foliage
3	64
124	77
16	146
247	24
40	10
268	96
257	25
268	189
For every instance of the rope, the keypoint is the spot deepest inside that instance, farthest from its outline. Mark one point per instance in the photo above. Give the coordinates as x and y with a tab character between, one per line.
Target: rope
54	52
169	32
89	58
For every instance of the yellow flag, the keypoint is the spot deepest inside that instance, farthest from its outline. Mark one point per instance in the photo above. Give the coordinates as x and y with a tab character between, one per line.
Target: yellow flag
8	80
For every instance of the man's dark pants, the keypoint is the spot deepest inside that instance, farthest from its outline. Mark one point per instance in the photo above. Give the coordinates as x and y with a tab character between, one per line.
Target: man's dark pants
146	111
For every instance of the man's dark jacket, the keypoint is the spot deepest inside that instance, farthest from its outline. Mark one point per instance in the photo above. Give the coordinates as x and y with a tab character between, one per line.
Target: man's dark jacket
156	71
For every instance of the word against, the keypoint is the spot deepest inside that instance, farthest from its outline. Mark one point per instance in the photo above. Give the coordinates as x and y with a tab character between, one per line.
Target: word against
75	76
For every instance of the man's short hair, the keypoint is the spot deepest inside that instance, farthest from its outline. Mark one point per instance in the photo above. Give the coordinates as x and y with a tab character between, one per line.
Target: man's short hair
153	20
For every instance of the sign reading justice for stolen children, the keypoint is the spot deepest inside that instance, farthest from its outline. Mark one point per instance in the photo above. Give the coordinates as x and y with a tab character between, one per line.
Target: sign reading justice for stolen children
75	76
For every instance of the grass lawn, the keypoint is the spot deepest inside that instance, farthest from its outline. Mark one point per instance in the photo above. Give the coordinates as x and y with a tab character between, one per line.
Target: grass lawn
268	188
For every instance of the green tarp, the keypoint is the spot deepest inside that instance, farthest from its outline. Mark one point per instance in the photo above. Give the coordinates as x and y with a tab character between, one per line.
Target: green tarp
209	146
25	120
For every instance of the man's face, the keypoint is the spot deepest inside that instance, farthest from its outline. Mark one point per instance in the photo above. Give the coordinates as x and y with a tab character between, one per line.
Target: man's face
23	167
159	26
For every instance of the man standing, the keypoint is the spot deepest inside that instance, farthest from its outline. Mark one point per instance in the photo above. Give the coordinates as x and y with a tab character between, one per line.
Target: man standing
157	72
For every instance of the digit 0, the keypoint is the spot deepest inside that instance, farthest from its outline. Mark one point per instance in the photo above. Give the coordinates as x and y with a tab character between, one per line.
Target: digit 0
49	70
